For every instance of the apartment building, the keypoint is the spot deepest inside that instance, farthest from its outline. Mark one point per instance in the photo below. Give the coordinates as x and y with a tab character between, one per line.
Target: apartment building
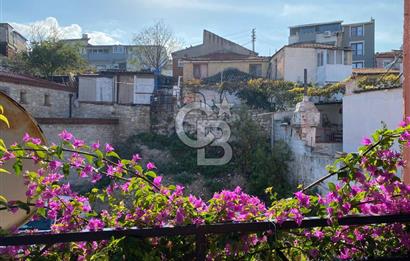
11	41
360	37
115	57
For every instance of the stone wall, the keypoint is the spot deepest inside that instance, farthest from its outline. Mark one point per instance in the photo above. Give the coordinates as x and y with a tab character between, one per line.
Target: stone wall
90	131
40	101
131	119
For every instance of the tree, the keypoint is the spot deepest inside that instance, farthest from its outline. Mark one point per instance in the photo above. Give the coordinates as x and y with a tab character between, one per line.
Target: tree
155	44
48	55
47	58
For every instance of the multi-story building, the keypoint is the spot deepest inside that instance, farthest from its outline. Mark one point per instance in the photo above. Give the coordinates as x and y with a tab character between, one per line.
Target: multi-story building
110	57
358	36
324	63
11	41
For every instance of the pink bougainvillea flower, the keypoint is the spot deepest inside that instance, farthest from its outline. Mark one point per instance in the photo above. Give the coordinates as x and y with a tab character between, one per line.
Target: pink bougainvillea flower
366	141
55	164
78	143
403	124
108	148
95	224
150	166
36	141
136	157
157	181
26	137
96	145
303	199
65	135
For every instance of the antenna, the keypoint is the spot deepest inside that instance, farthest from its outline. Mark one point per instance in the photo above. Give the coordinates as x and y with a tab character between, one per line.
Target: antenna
253	36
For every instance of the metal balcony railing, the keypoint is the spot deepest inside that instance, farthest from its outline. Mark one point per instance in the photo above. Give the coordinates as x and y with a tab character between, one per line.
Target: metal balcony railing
199	231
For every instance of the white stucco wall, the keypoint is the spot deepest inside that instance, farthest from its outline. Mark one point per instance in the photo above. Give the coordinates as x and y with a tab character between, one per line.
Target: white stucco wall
364	112
298	59
333	73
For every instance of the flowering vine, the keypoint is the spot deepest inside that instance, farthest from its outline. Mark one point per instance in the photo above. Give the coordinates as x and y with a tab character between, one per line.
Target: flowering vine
368	184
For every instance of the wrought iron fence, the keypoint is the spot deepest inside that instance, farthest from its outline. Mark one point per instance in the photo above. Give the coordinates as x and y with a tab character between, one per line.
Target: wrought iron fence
199	231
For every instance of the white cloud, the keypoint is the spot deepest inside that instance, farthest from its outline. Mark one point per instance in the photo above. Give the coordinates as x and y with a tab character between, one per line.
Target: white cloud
69	31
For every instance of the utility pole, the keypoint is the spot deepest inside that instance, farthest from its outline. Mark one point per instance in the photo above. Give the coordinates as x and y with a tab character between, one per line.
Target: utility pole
305	93
406	82
253	39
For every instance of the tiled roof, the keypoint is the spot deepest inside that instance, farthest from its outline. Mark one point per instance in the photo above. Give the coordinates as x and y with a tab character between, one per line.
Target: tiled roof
364	71
32	81
391	54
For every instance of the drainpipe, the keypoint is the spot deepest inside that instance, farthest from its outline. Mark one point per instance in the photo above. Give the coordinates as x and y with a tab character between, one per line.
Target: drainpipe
406	81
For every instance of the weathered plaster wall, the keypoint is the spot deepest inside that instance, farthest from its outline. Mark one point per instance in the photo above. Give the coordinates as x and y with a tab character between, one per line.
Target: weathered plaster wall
363	114
298	59
309	162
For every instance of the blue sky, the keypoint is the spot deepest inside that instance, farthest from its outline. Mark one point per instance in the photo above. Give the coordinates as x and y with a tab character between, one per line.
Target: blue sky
116	21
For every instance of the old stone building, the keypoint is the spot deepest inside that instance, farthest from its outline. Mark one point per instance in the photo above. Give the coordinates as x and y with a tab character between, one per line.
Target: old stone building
56	107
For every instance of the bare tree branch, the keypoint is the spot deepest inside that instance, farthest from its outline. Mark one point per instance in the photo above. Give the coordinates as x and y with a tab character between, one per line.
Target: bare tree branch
155	45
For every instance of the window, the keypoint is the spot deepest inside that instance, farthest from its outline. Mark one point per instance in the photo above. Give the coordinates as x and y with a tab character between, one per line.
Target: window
330	56
255	70
356	65
386	63
118	49
200	71
339	56
320	59
356	30
357	49
47	100
180	63
23	97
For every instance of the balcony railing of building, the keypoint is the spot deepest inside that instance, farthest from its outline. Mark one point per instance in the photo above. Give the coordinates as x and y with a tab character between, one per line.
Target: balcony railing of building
199	231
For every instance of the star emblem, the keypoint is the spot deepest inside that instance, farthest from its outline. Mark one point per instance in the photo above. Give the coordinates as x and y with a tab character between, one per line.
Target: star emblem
224	108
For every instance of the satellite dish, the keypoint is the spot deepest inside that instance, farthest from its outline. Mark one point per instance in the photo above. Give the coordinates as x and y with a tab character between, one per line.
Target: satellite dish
12	186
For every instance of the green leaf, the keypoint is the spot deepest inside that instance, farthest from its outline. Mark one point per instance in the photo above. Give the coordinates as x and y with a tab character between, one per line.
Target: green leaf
151	174
3	199
113	154
41	212
99	154
66	169
18	166
4	171
332	186
3	146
